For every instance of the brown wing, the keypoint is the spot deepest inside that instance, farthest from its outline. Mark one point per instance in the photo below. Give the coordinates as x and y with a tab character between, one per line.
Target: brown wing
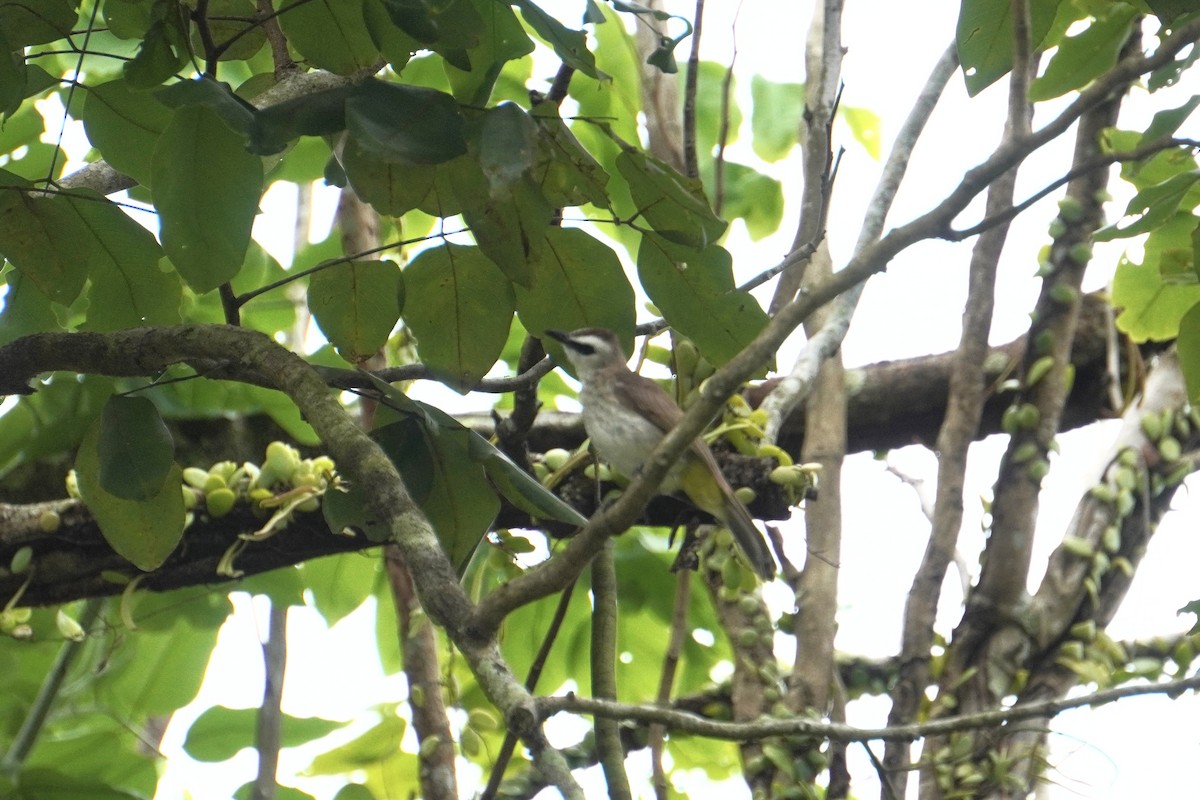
636	391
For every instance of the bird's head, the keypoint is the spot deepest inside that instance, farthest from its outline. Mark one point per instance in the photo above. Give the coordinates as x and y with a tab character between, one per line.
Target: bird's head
590	349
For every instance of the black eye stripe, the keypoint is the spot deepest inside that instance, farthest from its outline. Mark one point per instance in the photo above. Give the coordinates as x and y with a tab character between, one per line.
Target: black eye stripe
586	349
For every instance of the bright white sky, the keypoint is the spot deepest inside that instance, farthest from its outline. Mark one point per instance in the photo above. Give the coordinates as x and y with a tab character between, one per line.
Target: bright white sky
913	309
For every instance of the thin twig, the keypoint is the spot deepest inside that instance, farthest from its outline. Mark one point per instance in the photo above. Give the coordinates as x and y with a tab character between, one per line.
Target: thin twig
687	722
268	726
604	671
691	163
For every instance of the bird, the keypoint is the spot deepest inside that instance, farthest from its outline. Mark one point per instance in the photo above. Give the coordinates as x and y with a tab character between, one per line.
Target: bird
626	415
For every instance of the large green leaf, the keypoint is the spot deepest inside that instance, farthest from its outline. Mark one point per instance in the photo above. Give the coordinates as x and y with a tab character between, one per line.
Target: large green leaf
219	98
357	304
27	22
135	448
128	288
156	672
711	108
696	293
754	198
331	34
578	283
407	124
340	584
42	237
379	743
459	305
159	57
1152	306
1156	205
567	173
43	783
1189	351
510	228
391	187
1086	55
219	733
124	125
985	38
519	487
52	420
502	39
674	206
12	78
26	309
569	45
206	189
775	117
145	532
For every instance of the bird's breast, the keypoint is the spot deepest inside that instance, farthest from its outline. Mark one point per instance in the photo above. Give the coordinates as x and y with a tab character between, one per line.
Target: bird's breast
620	436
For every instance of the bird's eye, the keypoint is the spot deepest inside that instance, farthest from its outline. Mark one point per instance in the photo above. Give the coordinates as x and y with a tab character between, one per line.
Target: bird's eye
585	349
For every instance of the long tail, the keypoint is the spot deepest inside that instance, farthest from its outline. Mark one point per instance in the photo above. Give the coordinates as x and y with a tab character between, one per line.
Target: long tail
753	542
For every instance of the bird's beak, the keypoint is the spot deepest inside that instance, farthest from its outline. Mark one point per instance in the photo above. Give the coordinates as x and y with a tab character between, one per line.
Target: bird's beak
560	336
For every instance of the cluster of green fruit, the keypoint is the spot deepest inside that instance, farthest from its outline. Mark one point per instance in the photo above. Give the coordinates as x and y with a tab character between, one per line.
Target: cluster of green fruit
283	479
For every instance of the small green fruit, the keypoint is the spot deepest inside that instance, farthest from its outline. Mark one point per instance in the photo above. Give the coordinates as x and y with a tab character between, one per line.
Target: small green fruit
219	502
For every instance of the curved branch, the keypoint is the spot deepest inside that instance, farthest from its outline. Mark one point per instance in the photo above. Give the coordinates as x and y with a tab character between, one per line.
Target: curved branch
687	722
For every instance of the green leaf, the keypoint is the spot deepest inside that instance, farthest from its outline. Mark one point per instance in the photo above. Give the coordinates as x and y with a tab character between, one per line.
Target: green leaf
406	124
41	236
510	228
985	38
505	145
567	173
502	39
124	125
340	583
156	672
317	114
249	791
145	532
51	421
570	46
1085	56
377	744
696	293
135	448
330	34
27	22
12	78
356	305
1189	351
866	127
1155	205
128	289
775	117
51	784
157	58
217	97
674	206
1153	307
219	733
199	160
710	107
26	310
519	487
459	306
1166	122
445	481
754	198
228	19
392	188
578	283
